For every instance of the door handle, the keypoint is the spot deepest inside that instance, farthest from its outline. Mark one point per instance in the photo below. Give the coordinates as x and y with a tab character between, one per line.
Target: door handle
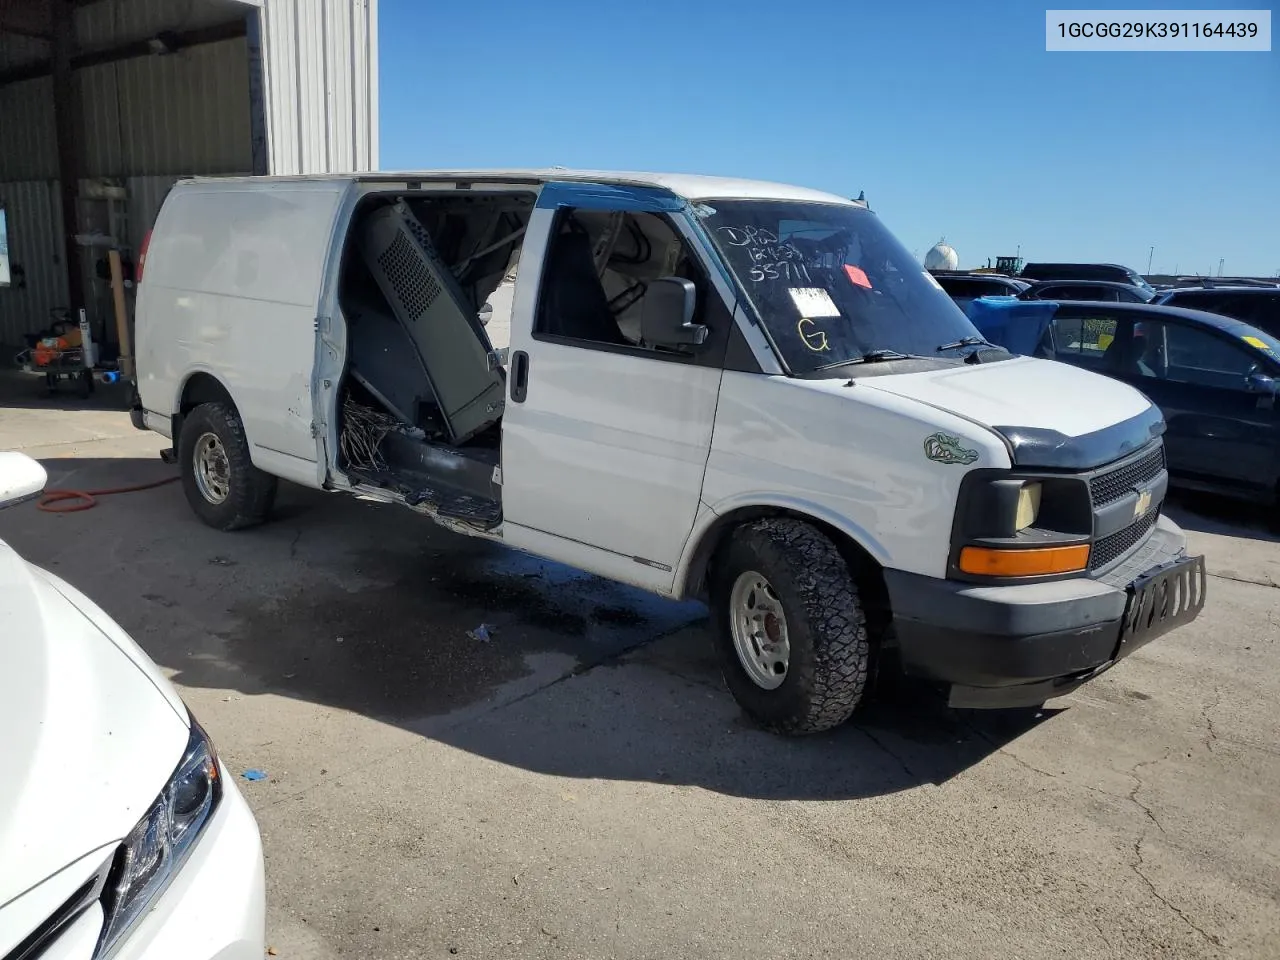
519	376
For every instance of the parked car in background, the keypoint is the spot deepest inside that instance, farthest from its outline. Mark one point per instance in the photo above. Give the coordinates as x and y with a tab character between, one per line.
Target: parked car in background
964	287
1096	290
121	834
1257	306
1114	272
1214	378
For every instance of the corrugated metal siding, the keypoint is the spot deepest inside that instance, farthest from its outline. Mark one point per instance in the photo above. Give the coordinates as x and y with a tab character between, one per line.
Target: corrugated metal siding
106	23
17	50
189	113
33	212
320	61
151	120
180	114
28	139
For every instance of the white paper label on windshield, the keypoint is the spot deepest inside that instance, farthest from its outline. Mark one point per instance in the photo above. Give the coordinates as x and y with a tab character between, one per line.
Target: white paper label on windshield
813	302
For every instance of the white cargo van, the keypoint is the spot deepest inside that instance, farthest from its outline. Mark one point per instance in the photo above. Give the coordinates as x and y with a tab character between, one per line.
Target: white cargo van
738	390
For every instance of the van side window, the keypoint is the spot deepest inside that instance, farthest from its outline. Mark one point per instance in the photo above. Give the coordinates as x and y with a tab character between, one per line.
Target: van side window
597	271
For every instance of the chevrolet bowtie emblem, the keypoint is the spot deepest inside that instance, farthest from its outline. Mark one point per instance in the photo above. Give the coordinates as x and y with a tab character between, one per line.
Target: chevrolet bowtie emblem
1143	505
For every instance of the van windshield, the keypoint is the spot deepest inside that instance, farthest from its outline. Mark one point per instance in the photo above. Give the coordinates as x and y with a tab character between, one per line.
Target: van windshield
832	285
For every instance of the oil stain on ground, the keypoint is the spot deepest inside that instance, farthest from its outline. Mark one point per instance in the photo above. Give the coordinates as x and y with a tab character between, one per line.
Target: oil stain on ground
413	647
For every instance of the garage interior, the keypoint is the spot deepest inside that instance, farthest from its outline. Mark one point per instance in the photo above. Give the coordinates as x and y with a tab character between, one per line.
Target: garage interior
105	103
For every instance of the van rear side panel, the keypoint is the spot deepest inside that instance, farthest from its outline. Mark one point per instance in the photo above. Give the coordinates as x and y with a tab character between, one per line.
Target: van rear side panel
235	271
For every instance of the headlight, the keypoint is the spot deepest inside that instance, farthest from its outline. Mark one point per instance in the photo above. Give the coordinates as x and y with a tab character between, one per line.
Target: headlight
152	853
1018	528
1028	505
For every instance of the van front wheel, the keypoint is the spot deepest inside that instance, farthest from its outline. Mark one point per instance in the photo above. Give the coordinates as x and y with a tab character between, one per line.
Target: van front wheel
789	627
222	485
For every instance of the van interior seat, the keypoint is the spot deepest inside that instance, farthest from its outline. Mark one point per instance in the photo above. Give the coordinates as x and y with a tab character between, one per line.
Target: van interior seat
574	303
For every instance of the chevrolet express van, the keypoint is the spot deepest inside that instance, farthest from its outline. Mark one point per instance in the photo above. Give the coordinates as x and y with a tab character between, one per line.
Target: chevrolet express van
741	391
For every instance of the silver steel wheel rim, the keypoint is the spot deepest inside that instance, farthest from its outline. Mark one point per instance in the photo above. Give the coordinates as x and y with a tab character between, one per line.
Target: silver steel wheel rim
759	628
212	468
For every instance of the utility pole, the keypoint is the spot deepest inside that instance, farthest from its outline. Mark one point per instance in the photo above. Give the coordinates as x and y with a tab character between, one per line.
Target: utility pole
1220	262
1150	256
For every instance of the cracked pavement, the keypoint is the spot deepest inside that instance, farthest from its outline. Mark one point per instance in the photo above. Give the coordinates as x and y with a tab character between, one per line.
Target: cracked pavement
581	785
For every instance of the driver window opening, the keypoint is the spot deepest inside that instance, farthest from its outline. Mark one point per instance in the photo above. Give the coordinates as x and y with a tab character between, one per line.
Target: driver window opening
599	266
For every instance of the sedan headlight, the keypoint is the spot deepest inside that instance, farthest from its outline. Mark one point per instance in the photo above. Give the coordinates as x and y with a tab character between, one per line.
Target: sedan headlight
150	856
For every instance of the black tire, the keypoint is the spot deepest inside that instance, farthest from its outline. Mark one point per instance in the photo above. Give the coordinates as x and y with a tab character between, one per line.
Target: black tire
250	492
830	654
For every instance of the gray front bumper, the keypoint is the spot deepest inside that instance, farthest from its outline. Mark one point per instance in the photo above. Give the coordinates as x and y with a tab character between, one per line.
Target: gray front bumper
1019	644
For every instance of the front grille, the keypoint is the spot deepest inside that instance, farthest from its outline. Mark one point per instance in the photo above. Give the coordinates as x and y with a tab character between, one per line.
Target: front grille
1111	486
1118	544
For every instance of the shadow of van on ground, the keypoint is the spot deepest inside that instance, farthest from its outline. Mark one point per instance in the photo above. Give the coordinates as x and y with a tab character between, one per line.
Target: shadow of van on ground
363	607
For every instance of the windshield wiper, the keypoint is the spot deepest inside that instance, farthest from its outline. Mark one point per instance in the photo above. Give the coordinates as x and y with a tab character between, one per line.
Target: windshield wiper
871	356
966	342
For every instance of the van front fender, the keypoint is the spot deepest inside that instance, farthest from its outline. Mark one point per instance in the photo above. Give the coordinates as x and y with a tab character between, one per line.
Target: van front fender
714	520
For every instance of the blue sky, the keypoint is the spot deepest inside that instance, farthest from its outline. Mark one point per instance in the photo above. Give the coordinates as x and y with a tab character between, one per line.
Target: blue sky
951	116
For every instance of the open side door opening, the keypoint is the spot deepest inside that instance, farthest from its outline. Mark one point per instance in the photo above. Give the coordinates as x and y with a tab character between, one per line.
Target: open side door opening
422	397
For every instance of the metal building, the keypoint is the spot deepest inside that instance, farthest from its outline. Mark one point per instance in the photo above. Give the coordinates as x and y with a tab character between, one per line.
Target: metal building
105	103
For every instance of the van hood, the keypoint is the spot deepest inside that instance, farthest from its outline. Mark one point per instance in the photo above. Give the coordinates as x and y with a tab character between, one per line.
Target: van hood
1049	414
91	730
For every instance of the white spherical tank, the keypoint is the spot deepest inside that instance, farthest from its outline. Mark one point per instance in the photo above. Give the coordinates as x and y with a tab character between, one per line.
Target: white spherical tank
941	257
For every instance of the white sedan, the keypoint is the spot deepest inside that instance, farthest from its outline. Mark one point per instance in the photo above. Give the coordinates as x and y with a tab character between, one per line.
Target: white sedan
121	834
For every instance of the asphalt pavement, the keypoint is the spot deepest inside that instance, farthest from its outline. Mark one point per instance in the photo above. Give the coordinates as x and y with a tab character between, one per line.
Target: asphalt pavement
574	781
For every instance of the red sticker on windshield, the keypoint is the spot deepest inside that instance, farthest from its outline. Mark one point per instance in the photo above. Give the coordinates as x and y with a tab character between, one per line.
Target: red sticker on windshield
857	276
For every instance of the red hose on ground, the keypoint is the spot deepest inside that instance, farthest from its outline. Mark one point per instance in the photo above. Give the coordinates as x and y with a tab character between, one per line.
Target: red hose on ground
76	500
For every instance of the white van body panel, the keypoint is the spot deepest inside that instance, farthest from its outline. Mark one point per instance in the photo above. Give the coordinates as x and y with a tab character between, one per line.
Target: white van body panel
620	471
846	454
1023	390
233	279
602	462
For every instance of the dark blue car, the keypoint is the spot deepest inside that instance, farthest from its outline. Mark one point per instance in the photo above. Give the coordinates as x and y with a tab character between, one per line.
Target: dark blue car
1214	378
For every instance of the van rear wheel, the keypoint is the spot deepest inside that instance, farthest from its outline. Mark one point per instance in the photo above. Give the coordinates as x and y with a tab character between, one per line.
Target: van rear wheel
789	626
222	485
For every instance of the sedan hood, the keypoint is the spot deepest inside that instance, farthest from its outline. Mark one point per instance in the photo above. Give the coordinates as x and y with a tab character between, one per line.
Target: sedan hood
1050	414
92	732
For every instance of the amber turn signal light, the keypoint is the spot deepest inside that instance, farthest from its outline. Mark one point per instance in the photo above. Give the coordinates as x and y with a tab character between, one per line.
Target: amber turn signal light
1037	562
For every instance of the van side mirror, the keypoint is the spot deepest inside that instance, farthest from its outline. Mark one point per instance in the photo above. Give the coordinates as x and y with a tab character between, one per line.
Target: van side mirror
666	314
21	479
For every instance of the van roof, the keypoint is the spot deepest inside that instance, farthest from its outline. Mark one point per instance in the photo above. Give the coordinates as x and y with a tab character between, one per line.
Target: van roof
689	186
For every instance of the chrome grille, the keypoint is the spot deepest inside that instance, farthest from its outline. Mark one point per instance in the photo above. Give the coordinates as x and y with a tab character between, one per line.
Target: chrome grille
1111	486
1118	544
